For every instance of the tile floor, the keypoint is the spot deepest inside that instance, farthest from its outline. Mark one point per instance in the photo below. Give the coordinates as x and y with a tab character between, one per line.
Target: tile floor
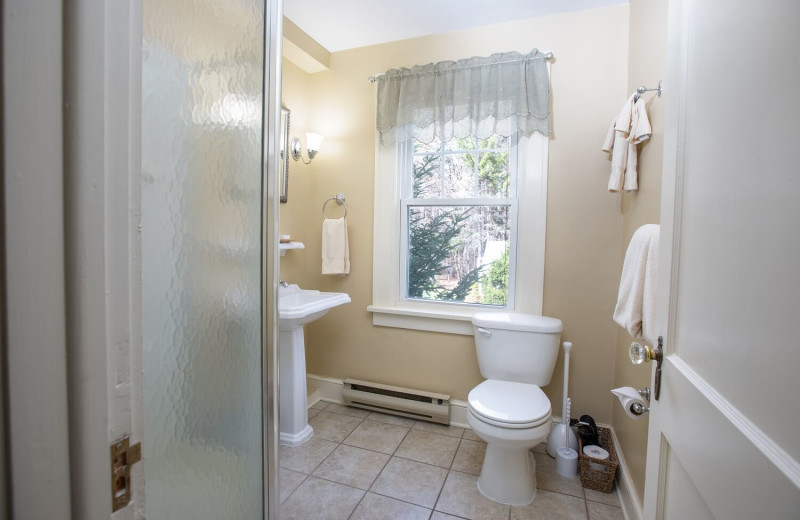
369	466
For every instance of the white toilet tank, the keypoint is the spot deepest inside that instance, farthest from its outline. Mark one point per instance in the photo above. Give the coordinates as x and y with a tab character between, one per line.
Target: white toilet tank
517	347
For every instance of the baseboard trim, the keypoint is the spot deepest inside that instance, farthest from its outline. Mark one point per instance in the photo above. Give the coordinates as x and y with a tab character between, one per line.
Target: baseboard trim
329	388
628	497
458	413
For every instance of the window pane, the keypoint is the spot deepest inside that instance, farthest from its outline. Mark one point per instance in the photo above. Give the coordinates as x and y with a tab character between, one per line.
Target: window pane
456	145
494	142
433	147
427	181
459	175
493	174
458	254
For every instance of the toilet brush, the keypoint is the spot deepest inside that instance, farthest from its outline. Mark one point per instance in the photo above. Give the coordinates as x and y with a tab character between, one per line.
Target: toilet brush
562	436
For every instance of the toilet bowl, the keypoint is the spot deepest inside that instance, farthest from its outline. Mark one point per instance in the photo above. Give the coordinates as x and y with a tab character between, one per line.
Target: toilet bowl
512	418
516	353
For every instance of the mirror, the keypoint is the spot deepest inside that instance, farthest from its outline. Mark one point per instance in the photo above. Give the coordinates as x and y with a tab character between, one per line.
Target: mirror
284	171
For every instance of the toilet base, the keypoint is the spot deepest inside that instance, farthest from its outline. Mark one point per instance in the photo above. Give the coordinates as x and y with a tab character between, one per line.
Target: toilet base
508	475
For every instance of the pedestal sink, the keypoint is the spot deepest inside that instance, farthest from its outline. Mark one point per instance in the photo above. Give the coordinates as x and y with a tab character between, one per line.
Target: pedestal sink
296	307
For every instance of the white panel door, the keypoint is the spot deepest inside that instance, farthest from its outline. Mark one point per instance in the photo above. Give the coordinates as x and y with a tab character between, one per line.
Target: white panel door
723	435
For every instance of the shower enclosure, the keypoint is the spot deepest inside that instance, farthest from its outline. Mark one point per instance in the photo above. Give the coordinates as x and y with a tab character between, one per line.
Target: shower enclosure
210	76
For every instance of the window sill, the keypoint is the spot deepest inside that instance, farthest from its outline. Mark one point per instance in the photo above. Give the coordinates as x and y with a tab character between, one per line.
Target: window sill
447	320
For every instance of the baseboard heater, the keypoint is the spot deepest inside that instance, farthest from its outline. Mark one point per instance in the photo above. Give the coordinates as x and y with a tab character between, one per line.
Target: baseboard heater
416	404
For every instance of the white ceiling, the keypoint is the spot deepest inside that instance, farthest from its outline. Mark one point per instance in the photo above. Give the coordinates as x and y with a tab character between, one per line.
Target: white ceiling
346	24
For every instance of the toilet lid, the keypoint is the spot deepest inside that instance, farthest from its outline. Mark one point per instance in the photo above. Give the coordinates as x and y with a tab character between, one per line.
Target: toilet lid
510	403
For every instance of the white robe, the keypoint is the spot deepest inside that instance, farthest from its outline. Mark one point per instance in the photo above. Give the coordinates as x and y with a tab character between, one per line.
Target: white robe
629	128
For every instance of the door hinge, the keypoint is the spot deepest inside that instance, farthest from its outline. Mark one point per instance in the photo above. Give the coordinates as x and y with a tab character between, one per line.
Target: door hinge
123	456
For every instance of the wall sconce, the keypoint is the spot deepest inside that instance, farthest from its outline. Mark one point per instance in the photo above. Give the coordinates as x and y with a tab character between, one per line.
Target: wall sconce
312	141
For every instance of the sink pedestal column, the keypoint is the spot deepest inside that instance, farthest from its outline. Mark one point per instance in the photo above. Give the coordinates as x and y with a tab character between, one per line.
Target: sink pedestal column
295	429
296	307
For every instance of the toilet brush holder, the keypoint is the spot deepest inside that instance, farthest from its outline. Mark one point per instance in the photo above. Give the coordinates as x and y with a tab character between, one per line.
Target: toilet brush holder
567	462
562	436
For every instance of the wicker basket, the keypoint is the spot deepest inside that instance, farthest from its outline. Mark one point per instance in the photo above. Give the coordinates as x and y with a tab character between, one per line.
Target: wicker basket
599	479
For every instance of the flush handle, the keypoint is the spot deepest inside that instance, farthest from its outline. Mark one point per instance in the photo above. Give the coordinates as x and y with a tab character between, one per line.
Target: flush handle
485	332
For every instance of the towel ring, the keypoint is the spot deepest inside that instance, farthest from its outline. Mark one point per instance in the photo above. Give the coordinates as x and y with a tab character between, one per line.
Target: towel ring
340	200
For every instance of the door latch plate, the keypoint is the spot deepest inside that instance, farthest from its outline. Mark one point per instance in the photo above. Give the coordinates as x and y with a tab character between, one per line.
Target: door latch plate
123	456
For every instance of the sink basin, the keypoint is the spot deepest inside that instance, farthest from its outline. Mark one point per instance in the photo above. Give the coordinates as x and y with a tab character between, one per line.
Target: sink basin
298	306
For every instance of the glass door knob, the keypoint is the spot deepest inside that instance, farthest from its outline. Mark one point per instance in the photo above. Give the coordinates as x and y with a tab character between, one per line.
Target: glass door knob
640	353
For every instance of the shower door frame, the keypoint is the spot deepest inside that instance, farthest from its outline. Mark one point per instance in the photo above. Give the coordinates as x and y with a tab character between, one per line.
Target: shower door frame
73	101
272	166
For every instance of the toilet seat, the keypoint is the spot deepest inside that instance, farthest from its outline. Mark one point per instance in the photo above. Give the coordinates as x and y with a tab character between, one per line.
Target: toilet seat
509	405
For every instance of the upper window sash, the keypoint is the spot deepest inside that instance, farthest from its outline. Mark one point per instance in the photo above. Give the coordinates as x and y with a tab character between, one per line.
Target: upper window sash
406	156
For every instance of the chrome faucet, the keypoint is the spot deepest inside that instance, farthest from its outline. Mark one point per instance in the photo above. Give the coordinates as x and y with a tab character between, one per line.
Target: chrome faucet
283	284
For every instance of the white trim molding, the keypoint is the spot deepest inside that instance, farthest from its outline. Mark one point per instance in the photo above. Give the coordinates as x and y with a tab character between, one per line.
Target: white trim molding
329	388
422	318
626	491
770	449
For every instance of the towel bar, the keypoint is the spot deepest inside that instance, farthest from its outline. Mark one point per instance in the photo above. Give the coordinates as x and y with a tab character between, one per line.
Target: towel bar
340	200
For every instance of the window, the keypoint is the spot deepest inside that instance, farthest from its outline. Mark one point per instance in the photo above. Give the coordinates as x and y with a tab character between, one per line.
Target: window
458	221
500	207
454	219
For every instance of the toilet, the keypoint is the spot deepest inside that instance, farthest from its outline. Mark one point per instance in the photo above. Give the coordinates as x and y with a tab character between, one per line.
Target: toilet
516	354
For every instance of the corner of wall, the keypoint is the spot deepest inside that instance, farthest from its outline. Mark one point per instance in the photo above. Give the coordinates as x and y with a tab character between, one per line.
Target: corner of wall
646	66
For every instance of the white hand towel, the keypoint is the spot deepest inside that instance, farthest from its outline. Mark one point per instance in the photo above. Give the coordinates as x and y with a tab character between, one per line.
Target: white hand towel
335	247
635	311
629	128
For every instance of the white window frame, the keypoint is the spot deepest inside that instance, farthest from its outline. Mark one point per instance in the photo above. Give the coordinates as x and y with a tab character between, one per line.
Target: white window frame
406	155
389	306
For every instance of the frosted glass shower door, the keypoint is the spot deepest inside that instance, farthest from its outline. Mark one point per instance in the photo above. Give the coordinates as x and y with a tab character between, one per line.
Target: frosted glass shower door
202	99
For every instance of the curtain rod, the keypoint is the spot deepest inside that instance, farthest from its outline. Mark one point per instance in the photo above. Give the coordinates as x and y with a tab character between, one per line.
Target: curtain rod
547	56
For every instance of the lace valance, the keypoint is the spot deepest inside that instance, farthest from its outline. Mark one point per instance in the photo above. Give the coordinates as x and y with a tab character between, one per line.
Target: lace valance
504	93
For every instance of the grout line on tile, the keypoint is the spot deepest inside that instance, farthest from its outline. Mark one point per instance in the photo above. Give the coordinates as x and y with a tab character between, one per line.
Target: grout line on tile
400	500
455	454
439	496
295	489
359	503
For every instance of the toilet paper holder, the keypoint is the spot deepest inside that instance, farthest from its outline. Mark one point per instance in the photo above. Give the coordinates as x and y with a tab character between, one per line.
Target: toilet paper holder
637	408
640	409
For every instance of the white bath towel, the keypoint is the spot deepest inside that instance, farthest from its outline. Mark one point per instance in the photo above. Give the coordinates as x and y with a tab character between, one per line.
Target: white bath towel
335	247
635	311
629	128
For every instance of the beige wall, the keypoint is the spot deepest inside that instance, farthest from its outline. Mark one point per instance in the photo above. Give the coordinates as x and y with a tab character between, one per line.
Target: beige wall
295	216
590	81
646	65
